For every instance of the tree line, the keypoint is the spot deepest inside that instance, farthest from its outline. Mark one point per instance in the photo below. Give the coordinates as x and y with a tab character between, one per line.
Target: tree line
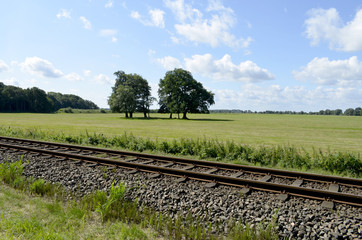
35	100
178	93
348	112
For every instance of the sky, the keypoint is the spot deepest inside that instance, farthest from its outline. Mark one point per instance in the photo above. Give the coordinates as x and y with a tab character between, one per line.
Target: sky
253	55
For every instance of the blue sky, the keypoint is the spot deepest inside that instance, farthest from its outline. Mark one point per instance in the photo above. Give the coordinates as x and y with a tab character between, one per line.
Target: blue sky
257	55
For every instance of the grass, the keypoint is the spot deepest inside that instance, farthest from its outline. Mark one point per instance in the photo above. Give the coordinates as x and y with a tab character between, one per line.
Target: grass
279	156
100	215
26	215
337	133
23	216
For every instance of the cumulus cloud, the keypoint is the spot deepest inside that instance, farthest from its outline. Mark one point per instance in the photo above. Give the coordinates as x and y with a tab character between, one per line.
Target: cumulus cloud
225	70
297	98
169	63
42	67
213	31
327	25
64	13
73	77
330	72
3	66
86	23
222	69
156	18
103	79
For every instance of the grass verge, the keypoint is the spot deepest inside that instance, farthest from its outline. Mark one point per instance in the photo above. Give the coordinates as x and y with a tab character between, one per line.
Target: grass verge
100	215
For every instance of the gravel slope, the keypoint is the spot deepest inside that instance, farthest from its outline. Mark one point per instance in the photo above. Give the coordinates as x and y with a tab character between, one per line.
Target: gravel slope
297	218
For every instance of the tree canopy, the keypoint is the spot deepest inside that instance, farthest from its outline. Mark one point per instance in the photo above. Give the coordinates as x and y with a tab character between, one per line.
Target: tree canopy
16	99
130	93
179	93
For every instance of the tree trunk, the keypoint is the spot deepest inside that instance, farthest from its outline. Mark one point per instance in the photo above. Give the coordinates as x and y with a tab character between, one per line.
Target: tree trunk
144	114
184	116
126	114
170	115
178	115
131	114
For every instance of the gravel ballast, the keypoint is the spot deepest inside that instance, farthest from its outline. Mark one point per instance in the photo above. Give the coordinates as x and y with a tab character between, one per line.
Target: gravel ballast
297	218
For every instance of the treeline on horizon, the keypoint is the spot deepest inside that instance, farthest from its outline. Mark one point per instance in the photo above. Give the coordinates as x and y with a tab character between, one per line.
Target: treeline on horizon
35	100
348	112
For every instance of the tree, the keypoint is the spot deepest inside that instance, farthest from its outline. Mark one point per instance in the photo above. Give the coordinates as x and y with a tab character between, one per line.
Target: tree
349	112
179	93
130	93
38	100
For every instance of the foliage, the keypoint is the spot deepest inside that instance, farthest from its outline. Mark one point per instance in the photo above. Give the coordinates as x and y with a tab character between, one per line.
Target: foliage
11	173
70	101
130	93
15	99
179	93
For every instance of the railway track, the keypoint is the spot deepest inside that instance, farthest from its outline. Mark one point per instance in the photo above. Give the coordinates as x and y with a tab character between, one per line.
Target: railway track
327	189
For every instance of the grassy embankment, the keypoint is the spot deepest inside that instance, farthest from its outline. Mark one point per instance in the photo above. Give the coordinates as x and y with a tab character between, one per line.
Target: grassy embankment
26	215
327	144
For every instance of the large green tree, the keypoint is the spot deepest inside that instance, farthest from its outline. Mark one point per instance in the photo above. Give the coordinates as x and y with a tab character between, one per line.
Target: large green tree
179	93
130	93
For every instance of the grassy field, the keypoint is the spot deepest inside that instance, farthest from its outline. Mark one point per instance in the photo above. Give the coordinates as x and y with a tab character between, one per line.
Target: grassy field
336	133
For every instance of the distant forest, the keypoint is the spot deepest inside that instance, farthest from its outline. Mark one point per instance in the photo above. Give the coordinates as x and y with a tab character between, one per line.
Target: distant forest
348	112
35	100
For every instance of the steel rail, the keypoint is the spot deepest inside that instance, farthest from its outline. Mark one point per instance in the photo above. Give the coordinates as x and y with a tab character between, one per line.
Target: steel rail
355	182
355	200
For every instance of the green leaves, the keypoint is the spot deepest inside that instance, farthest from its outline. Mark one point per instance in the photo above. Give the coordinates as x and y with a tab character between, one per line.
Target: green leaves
179	92
130	93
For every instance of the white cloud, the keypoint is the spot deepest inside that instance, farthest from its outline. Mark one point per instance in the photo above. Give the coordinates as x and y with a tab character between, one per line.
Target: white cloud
135	15
182	11
109	4
103	79
222	70
169	63
156	18
86	23
3	66
295	98
12	81
42	67
87	72
225	70
114	39
213	31
73	77
329	72
63	13
328	26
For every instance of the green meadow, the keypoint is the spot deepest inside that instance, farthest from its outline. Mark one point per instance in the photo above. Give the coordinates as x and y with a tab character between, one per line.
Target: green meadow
332	133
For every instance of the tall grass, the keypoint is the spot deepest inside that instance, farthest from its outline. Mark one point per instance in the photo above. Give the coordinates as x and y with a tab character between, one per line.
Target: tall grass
341	163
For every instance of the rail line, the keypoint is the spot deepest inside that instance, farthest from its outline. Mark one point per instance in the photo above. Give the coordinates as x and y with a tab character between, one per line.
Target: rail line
329	189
